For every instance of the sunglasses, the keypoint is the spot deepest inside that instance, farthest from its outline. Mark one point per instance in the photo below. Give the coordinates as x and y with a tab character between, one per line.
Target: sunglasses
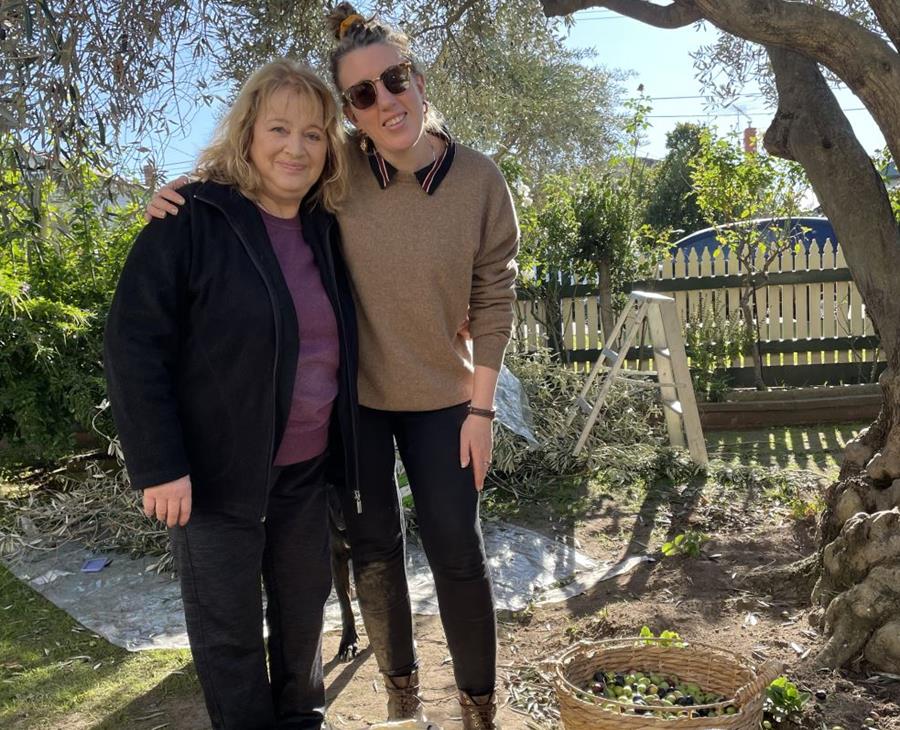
365	94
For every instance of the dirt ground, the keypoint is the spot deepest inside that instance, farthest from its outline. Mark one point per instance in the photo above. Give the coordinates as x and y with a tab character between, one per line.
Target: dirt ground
700	598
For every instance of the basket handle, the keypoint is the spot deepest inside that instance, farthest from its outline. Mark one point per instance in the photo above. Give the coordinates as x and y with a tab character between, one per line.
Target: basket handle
768	672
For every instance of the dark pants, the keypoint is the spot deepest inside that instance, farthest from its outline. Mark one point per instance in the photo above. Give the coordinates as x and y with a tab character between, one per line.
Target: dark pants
447	513
220	559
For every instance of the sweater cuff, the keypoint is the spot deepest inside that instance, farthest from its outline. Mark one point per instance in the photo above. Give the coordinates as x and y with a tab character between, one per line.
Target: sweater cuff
488	350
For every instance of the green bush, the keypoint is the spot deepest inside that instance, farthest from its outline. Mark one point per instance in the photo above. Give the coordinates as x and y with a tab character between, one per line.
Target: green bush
62	245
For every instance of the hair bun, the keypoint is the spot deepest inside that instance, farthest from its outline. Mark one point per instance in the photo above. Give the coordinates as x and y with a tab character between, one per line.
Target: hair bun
343	19
350	22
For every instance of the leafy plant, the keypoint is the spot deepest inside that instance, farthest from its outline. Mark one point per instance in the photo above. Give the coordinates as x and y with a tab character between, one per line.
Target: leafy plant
666	638
795	496
714	340
737	187
689	543
783	701
628	444
62	245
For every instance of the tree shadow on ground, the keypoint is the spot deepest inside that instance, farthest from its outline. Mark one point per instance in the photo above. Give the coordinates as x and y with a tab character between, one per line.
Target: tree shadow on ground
663	491
814	448
175	703
337	684
176	707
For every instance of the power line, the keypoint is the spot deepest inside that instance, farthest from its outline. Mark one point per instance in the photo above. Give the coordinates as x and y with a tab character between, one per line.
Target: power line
747	115
697	96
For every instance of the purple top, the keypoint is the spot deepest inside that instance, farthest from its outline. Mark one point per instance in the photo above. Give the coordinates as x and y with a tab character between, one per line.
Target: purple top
316	381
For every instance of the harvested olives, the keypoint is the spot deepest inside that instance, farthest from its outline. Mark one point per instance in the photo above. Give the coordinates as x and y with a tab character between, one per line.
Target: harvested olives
651	693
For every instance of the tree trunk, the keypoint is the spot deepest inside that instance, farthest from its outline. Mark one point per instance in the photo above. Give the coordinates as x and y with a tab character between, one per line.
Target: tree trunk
553	321
859	532
750	326
605	297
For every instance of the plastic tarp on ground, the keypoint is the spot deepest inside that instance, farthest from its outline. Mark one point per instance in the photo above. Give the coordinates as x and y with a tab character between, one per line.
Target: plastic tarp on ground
132	606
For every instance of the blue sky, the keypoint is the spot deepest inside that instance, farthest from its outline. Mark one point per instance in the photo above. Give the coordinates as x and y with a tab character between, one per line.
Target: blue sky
659	59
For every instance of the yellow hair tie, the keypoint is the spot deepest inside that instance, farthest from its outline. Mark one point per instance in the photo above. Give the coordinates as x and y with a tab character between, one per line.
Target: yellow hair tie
349	22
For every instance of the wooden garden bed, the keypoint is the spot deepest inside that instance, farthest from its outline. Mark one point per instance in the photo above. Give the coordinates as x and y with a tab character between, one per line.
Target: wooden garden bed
793	407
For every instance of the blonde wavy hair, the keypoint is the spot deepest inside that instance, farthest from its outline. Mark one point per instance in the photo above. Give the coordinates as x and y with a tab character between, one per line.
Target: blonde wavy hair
227	159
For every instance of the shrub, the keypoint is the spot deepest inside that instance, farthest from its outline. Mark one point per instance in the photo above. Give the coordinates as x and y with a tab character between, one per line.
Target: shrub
62	245
713	341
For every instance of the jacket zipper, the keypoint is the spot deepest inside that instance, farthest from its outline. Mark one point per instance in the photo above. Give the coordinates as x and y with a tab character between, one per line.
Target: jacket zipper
272	301
347	370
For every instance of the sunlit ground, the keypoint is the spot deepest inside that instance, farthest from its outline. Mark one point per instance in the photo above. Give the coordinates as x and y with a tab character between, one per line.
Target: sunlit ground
814	448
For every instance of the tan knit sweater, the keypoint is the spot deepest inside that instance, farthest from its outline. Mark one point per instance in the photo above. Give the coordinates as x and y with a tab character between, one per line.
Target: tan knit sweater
419	264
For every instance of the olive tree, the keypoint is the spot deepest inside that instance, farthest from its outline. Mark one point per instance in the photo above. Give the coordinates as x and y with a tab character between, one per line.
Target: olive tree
83	78
802	44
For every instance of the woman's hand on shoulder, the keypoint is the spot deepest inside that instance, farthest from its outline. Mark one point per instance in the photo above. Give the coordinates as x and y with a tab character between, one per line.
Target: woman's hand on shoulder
166	200
170	502
476	445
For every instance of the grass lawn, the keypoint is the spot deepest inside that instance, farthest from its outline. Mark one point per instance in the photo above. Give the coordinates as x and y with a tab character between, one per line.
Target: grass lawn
54	673
812	448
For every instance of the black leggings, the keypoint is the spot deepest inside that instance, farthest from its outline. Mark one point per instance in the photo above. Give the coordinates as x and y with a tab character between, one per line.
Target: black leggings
447	512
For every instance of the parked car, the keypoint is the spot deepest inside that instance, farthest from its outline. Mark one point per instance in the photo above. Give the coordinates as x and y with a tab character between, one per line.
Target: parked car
805	231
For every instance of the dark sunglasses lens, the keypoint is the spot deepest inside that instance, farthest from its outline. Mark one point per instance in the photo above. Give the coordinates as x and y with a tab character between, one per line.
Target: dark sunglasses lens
396	79
362	95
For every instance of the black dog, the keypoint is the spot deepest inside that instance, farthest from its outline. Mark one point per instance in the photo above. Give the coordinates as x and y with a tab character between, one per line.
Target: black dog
340	572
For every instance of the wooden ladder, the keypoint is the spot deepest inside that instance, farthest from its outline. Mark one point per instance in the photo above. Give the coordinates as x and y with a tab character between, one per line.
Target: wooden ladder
673	374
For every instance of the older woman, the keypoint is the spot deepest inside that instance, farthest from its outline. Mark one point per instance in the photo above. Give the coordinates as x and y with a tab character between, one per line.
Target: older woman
230	357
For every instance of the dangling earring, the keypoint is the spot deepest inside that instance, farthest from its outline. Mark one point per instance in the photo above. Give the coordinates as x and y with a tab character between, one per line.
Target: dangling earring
364	142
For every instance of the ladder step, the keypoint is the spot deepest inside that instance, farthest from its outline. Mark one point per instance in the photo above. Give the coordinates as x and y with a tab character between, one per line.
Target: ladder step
583	405
610	355
674	405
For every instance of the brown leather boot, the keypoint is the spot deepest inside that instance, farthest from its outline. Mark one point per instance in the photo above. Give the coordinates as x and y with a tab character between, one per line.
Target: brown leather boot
478	711
403	697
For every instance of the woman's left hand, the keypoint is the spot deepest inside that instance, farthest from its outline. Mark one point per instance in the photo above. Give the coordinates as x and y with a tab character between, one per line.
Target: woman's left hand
476	443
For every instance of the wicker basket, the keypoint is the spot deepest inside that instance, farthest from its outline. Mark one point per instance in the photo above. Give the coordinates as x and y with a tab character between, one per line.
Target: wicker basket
712	669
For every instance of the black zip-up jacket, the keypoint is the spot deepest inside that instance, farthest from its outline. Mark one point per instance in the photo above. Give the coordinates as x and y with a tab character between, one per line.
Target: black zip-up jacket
201	350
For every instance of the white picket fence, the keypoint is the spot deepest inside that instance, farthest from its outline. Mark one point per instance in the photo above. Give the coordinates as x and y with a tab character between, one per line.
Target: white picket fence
812	315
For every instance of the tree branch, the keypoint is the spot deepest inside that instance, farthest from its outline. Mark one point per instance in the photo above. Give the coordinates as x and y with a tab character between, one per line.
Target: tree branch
451	20
811	128
676	15
888	14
